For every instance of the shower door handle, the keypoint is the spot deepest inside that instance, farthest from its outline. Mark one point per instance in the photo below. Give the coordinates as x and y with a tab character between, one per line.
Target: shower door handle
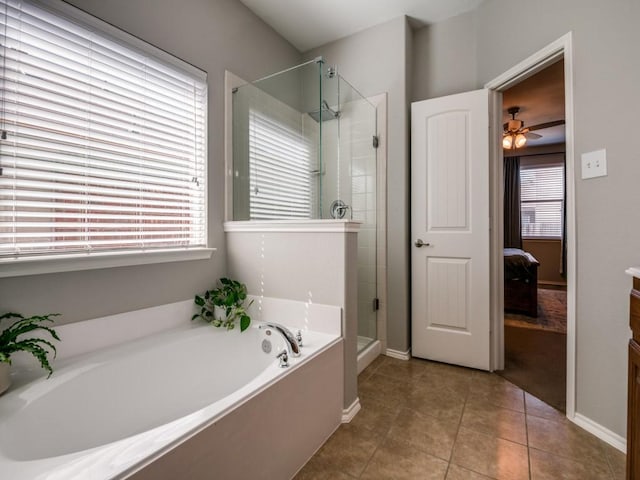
419	243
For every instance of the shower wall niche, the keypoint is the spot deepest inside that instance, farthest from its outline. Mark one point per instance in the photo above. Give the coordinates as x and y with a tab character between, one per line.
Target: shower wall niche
304	148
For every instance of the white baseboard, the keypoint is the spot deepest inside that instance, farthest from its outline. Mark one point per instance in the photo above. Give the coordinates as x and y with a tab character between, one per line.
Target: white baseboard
352	411
601	432
398	354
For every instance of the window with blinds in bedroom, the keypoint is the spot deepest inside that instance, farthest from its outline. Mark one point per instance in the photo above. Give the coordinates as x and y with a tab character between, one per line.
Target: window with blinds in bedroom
104	144
542	201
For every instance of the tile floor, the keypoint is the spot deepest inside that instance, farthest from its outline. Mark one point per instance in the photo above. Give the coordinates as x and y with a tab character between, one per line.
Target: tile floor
431	421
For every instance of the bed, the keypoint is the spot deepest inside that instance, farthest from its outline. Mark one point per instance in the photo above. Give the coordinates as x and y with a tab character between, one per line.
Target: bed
520	282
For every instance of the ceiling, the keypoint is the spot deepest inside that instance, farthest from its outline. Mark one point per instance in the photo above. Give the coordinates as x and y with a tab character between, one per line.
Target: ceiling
541	99
310	23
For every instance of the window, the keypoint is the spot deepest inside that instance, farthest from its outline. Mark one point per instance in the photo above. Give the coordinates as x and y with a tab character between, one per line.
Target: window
104	139
542	201
279	162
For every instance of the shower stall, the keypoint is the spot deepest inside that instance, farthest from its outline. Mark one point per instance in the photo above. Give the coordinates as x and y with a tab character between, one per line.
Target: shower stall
304	147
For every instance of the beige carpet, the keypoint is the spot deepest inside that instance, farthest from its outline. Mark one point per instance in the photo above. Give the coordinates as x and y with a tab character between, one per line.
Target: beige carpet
552	312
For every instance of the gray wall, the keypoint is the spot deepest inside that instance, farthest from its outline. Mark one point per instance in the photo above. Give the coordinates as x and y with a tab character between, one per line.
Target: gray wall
445	58
606	76
213	35
375	61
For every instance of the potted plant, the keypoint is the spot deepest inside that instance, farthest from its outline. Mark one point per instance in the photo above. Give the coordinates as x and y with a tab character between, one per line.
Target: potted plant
223	306
11	341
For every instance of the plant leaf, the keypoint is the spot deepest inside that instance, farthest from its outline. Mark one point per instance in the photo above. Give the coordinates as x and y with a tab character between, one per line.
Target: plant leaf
245	321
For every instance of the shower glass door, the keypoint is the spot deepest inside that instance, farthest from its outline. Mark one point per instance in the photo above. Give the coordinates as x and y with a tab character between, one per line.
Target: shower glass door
349	183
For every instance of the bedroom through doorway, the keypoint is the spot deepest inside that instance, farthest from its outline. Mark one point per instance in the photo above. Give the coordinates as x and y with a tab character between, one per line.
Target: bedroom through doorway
535	285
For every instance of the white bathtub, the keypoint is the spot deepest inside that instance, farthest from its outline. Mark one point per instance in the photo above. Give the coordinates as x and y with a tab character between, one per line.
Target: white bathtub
172	404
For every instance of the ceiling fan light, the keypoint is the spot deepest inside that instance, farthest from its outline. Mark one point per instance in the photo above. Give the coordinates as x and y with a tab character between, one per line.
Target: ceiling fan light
507	141
515	125
520	140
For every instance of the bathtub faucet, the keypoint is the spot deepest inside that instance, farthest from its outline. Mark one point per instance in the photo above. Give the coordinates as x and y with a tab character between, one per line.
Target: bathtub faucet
290	340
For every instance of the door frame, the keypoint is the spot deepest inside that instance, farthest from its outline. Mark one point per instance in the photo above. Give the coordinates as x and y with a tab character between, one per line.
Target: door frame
561	48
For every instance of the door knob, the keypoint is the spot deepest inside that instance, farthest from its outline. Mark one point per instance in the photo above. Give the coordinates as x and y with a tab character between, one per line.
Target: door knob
419	243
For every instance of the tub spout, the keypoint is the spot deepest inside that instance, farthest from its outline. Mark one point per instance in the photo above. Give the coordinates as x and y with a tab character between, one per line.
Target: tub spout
290	340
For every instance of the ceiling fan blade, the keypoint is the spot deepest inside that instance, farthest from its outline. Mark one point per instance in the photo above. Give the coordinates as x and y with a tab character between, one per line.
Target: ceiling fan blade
532	136
542	126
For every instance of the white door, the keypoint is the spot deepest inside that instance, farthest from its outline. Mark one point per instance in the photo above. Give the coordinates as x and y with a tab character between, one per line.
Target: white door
450	216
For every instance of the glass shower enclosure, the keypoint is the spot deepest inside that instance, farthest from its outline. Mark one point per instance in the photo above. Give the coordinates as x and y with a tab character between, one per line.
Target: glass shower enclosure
304	147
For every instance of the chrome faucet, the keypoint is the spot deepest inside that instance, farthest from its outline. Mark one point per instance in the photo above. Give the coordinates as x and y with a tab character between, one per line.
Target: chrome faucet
293	350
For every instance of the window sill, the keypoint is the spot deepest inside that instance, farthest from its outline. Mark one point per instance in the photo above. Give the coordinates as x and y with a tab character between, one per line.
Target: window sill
70	263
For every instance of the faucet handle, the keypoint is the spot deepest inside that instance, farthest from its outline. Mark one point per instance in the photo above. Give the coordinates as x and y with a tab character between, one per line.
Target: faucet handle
299	338
283	356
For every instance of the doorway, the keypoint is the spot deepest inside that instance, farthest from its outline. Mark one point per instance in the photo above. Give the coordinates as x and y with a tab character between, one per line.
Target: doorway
508	340
535	293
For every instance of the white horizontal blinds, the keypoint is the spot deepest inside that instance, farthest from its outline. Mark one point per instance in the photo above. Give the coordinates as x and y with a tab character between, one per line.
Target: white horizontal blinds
279	163
542	201
105	145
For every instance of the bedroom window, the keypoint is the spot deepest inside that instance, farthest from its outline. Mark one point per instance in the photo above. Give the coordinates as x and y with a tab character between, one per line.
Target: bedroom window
542	201
279	162
103	148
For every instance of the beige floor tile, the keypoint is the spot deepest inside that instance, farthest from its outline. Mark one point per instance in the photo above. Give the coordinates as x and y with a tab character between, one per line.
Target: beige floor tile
490	456
402	369
316	470
429	434
385	390
375	416
496	421
566	440
373	366
395	461
491	388
537	408
458	473
349	449
437	402
448	370
545	466
441	375
617	462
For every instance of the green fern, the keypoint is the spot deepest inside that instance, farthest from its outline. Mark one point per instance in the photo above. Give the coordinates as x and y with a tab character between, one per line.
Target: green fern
38	347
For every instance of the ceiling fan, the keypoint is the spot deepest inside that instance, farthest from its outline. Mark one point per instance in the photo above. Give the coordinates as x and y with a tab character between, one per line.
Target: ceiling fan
516	134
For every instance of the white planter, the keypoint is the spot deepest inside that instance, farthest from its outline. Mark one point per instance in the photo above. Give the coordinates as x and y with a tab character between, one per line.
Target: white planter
5	379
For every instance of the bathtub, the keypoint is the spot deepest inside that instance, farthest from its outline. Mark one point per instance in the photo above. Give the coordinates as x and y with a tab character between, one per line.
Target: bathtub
183	400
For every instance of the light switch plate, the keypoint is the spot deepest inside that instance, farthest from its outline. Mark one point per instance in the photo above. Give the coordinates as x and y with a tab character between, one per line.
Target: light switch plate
594	164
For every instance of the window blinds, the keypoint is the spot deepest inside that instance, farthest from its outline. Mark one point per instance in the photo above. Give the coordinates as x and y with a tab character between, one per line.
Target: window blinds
279	162
542	197
105	145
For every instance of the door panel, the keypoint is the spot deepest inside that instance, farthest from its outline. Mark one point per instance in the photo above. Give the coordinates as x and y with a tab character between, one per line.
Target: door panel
450	214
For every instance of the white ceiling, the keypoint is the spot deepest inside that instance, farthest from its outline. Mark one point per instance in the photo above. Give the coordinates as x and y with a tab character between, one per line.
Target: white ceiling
310	23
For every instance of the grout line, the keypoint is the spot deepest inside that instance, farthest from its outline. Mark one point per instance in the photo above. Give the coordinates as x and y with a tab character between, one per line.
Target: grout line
526	431
455	440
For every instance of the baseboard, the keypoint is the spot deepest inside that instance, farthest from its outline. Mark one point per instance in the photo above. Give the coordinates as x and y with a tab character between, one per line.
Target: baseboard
398	354
349	413
601	432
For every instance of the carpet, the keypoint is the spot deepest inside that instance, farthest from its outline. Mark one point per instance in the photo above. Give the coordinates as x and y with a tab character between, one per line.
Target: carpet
535	360
552	312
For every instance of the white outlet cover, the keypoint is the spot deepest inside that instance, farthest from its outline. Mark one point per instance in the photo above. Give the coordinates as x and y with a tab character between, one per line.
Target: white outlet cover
594	164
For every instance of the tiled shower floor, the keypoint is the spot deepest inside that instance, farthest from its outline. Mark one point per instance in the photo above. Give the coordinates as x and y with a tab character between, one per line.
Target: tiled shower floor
430	421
